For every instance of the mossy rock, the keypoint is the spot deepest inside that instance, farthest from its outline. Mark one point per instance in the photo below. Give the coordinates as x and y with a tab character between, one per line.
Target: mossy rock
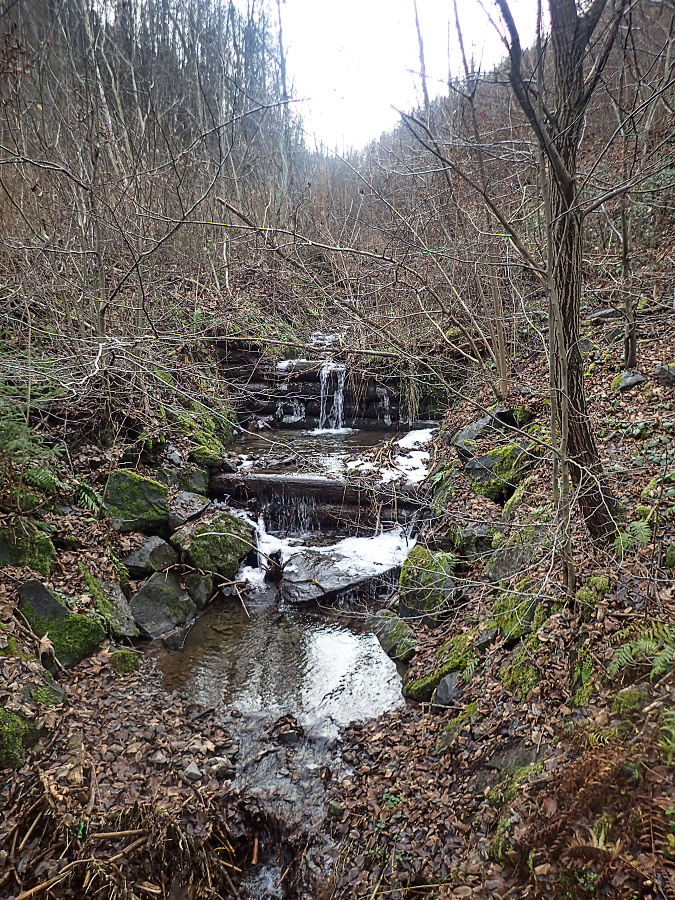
110	605
497	473
215	543
629	701
124	662
395	635
136	503
593	590
160	605
453	656
442	482
16	736
210	430
518	674
527	543
514	610
426	585
24	544
473	541
468	717
73	636
520	497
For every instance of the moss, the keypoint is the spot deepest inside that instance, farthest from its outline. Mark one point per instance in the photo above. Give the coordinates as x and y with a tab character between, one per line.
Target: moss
45	695
11	648
628	702
506	466
500	843
211	430
24	544
504	793
455	726
135	502
426	586
217	543
16	735
123	662
518	675
514	611
72	636
454	656
443	486
396	636
593	590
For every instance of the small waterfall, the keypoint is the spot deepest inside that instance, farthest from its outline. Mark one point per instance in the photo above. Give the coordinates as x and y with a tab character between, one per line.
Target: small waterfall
290	411
384	405
333	420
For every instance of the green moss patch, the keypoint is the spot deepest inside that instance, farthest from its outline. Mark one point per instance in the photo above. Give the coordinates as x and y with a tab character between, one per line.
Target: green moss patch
123	662
136	503
426	586
216	543
496	474
396	636
453	656
514	611
16	735
593	590
455	726
518	674
24	544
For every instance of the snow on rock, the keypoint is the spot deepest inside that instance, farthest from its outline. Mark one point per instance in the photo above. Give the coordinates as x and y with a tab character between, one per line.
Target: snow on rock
416	438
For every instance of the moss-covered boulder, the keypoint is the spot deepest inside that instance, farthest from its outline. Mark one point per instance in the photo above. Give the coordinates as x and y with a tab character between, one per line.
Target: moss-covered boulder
442	483
215	543
454	656
497	473
73	636
460	723
396	636
160	605
514	610
136	503
427	588
185	506
472	542
109	605
16	735
209	430
24	544
527	542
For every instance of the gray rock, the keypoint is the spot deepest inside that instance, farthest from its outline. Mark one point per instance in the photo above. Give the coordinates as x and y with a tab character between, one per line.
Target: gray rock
603	315
395	635
161	605
121	619
514	757
486	637
627	380
154	555
175	640
665	374
462	440
191	478
448	692
174	455
317	575
199	587
192	772
185	506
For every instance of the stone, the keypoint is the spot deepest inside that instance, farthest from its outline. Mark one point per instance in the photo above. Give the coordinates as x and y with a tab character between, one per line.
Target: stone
199	587
222	767
73	636
24	544
497	473
427	588
465	438
116	611
154	555
624	381
136	503
603	315
190	478
175	640
665	374
185	506
448	692
192	772
527	542
174	455
16	735
395	635
473	541
335	809
160	605
217	542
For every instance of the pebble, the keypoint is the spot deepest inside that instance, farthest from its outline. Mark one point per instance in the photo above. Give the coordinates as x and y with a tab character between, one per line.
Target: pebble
192	772
159	759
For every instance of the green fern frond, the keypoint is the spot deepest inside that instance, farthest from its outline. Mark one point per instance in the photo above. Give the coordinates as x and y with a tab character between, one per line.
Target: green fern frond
624	542
654	646
469	669
45	479
641	532
88	498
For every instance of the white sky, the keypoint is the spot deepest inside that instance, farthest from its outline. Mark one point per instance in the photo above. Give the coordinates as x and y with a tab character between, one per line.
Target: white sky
354	59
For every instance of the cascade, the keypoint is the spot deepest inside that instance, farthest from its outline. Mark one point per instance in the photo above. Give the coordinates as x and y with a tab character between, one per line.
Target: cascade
332	420
384	404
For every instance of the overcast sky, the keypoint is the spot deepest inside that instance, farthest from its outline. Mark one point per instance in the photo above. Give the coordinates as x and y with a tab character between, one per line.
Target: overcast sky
354	59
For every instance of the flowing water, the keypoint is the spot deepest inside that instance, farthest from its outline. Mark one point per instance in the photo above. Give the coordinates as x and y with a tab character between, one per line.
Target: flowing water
318	669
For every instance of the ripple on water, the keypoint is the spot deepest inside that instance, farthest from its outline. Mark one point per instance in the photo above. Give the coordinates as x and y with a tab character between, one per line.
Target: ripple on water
306	664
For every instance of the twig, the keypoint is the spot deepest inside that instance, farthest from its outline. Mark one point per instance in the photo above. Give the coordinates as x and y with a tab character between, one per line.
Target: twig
111	835
256	850
134	846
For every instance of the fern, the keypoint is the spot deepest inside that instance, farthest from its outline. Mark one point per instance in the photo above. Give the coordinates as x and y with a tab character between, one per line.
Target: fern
45	479
667	734
654	646
88	498
641	532
469	669
624	542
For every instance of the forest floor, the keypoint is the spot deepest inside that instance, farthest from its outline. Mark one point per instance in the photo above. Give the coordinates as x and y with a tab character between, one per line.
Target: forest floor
563	789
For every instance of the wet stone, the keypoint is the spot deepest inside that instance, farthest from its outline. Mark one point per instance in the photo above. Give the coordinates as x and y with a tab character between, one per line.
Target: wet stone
192	772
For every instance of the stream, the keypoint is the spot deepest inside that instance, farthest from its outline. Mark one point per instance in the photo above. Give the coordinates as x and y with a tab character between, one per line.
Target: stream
288	678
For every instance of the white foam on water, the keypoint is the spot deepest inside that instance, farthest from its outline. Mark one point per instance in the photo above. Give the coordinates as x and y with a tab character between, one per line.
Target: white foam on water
416	438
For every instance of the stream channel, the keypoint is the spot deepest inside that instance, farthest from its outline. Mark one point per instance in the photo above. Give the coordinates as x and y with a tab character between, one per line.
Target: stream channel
286	678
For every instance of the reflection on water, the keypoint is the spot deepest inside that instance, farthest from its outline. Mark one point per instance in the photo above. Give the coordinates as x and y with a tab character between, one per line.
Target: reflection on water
283	662
320	451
